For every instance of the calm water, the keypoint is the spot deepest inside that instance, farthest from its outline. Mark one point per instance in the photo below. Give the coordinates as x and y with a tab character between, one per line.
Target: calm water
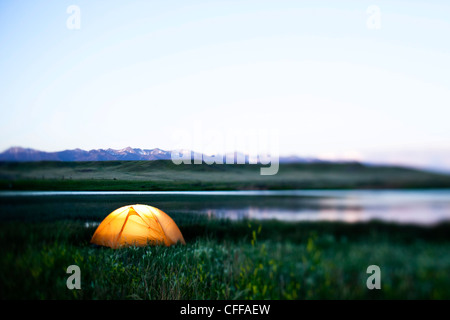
403	206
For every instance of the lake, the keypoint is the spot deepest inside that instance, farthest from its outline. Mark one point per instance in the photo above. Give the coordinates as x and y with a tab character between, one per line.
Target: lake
424	207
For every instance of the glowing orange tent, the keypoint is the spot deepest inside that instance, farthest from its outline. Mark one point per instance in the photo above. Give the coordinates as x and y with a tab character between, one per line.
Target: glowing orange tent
137	225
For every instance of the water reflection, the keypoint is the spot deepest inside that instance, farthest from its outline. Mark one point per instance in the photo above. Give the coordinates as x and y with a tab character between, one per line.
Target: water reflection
402	206
424	207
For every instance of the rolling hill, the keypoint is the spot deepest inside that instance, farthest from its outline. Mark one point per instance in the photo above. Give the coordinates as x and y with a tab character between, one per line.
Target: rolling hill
164	175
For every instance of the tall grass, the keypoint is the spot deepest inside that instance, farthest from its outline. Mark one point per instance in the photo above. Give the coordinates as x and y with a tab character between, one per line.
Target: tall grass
228	260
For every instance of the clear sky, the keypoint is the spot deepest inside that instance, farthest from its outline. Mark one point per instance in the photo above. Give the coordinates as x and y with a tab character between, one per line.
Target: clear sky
332	78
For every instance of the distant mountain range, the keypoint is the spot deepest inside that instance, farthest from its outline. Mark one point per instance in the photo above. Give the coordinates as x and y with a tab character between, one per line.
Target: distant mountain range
19	154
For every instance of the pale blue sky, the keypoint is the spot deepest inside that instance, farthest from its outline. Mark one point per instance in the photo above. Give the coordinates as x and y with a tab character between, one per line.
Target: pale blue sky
136	71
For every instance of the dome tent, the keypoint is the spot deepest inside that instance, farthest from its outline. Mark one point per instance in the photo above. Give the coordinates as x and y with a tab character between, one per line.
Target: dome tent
137	225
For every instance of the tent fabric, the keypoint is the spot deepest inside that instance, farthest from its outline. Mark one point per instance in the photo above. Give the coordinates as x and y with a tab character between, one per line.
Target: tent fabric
137	225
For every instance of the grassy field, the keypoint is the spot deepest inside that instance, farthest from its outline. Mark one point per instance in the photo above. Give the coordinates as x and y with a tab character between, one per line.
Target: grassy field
221	260
41	237
164	175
